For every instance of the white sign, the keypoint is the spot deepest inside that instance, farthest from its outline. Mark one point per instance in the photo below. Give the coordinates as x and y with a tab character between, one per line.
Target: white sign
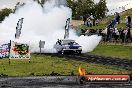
41	44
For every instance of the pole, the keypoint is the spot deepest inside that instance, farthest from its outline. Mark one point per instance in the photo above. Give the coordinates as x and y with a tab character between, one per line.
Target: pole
29	60
40	46
9	61
9	51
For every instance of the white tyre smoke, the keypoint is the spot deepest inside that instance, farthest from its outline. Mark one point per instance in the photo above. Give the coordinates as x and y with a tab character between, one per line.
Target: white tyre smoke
46	24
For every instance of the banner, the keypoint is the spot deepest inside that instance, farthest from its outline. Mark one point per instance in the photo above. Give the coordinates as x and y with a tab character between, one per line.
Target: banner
41	44
19	51
18	28
67	29
4	51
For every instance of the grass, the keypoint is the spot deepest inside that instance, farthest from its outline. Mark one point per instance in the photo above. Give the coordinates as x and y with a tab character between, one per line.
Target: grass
101	26
42	65
120	51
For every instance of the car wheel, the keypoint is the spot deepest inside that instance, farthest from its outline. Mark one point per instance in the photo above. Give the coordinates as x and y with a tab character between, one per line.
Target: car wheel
78	52
61	52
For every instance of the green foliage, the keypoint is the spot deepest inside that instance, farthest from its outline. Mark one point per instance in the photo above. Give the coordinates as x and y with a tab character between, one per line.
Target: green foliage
88	7
4	12
101	9
73	6
100	26
84	7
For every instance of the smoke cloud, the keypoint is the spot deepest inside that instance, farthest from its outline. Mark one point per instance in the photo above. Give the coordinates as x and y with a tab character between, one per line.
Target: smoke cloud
46	24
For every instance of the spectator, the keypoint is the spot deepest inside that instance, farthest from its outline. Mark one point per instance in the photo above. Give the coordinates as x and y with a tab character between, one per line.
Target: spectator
92	20
116	34
117	18
97	22
84	19
88	22
104	34
129	34
129	19
87	32
121	31
113	23
109	34
129	22
125	35
126	20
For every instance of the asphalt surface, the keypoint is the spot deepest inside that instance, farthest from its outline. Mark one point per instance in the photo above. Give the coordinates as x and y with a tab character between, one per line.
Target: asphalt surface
121	63
53	82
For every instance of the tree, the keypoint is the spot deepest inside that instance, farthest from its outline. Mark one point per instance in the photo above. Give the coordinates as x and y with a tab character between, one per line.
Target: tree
88	7
85	7
4	12
101	9
81	7
73	5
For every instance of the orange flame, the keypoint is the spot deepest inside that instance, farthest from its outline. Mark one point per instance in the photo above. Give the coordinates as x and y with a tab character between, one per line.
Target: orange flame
81	71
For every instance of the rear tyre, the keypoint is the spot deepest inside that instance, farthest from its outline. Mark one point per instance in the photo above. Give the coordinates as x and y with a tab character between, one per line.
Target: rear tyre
61	52
78	52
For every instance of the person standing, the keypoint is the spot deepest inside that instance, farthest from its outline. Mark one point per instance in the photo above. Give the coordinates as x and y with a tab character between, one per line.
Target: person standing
126	20
121	31
116	34
97	22
125	35
129	21
118	19
84	19
88	21
129	26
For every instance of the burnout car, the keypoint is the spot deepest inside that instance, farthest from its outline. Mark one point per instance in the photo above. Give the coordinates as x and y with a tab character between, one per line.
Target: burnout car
65	45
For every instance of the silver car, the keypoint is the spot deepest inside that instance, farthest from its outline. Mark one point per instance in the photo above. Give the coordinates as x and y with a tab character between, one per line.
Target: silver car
66	45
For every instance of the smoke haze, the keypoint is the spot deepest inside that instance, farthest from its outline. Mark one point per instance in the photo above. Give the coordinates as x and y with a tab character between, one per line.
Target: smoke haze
46	24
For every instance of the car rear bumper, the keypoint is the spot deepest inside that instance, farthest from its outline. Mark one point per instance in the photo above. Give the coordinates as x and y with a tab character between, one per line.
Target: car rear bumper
72	49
